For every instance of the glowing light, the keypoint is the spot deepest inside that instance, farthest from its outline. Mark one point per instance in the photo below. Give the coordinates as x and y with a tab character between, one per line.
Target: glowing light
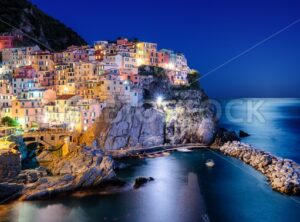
159	100
72	125
171	66
46	119
85	128
140	61
35	94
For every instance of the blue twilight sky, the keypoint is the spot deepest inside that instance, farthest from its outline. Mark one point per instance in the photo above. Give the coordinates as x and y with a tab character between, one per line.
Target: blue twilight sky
208	32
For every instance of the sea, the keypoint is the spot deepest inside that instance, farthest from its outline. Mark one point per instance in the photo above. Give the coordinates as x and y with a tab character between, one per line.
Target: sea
184	188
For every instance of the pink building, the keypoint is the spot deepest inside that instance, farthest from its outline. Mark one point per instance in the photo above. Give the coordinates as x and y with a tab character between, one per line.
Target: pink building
90	110
6	42
28	113
130	76
47	80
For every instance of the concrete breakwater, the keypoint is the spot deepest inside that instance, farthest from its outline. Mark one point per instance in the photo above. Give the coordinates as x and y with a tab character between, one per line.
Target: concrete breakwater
282	174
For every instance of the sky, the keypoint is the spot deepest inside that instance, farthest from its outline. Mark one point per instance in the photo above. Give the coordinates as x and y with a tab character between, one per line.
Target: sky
209	33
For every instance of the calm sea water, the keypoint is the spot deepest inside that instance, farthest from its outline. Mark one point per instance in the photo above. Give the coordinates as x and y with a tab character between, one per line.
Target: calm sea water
185	189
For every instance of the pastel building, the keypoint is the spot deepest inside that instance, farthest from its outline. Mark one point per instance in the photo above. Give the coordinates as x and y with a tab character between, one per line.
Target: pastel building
28	112
65	78
113	90
5	104
16	57
63	112
72	54
24	79
42	61
47	80
146	53
90	110
84	71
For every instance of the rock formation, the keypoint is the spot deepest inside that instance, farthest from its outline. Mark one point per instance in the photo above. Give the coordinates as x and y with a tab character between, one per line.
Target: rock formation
283	174
82	167
10	164
140	181
187	118
223	135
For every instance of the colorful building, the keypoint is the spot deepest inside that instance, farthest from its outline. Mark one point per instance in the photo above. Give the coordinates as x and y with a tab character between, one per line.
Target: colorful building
6	41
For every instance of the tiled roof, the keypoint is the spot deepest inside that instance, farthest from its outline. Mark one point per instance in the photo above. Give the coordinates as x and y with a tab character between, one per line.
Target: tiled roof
65	97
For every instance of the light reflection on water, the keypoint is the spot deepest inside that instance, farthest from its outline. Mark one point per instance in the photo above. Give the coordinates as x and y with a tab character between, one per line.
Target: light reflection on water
175	194
182	184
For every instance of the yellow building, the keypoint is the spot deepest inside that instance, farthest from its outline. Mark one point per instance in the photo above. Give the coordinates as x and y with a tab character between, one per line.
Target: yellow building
84	71
42	61
146	53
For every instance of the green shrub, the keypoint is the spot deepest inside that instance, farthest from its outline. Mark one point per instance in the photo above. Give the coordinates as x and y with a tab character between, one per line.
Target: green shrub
9	121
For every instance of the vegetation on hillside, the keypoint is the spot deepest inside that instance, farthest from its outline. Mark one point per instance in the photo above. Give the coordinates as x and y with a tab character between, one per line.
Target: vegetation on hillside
32	21
155	71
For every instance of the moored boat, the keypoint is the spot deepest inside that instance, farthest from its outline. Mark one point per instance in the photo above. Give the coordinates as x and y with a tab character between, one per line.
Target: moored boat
210	163
183	150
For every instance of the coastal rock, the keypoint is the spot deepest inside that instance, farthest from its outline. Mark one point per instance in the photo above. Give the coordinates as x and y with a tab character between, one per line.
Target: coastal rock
8	190
243	134
83	167
134	126
282	174
45	156
188	119
10	165
140	181
223	135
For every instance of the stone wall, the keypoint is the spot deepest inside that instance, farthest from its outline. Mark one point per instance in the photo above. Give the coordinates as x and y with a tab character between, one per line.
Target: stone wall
10	165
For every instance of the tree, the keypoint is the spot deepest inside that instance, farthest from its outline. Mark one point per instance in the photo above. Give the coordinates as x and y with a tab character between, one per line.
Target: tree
193	79
9	121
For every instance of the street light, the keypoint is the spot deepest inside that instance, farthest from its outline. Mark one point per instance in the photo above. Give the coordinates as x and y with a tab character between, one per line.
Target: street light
159	100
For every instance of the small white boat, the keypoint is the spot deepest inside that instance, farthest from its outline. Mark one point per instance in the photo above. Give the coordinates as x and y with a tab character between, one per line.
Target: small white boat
210	163
183	150
166	154
150	156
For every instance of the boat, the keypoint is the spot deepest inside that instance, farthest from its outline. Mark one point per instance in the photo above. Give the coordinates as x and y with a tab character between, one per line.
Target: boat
183	150
150	156
166	154
210	163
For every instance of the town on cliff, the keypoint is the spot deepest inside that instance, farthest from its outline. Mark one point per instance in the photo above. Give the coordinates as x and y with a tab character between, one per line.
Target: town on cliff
66	114
87	100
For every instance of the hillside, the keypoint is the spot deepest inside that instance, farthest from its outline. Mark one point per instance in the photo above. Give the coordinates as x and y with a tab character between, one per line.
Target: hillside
37	24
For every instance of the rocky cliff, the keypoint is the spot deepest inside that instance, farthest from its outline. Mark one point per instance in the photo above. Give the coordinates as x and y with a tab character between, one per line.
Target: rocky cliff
20	16
186	117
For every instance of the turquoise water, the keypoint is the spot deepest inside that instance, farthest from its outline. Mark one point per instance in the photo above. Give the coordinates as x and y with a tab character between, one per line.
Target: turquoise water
184	188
